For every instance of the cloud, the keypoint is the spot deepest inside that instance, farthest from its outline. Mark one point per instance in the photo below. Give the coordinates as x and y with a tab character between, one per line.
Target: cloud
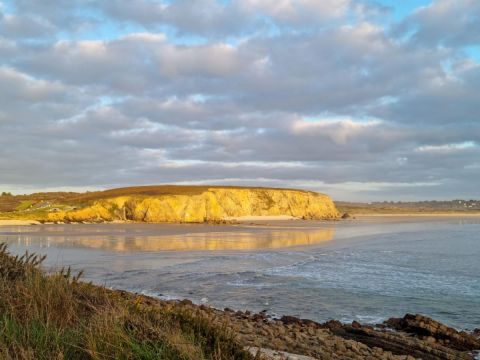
446	148
301	93
25	27
136	63
444	22
203	17
216	19
298	11
64	15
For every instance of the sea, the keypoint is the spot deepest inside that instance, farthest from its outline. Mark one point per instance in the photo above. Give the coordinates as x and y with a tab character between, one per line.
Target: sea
367	269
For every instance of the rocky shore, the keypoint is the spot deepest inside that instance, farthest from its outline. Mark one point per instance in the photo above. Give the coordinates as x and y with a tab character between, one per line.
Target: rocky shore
56	316
408	338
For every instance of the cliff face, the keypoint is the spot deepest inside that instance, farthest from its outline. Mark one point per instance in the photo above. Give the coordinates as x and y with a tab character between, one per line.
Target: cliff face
209	205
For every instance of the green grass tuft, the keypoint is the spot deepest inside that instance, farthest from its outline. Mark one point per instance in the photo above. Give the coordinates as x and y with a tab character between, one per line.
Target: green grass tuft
57	316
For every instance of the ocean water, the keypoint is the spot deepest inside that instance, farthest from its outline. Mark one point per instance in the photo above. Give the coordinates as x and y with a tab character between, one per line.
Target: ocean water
366	270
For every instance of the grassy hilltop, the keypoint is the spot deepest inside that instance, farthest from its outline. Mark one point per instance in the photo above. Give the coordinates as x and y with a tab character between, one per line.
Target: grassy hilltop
168	203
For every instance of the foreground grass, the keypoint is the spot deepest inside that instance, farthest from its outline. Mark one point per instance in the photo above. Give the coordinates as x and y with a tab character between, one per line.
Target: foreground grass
59	317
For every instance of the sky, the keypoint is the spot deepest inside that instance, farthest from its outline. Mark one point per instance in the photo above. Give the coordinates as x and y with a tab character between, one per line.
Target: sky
362	100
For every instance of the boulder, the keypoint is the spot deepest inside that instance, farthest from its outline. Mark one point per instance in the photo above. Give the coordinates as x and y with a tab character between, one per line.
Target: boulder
434	331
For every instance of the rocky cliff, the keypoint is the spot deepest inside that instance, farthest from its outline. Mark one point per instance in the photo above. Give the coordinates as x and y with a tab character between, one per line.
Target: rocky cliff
207	204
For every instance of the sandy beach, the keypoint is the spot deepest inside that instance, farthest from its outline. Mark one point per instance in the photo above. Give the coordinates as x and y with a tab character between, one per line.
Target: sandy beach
18	222
260	218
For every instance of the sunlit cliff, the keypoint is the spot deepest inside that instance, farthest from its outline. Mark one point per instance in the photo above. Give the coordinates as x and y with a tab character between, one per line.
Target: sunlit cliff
205	204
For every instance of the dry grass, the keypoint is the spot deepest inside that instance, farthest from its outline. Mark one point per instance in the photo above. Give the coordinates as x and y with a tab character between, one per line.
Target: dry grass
154	190
57	316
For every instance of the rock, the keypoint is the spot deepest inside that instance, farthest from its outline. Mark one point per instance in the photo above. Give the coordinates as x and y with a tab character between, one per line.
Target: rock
269	354
295	320
346	216
186	302
356	324
424	346
430	340
290	320
299	339
257	317
333	324
434	331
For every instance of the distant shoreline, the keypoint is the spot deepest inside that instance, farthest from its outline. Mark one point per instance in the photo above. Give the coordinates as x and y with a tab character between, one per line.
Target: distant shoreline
414	214
274	219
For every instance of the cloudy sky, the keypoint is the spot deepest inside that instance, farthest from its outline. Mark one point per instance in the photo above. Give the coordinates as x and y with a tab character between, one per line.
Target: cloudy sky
364	100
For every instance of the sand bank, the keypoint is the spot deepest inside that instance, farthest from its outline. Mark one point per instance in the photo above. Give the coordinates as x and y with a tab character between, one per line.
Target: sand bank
260	218
18	222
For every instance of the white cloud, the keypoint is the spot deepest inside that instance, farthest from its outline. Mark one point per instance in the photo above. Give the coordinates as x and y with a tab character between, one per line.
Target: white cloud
288	93
339	131
445	22
446	148
298	11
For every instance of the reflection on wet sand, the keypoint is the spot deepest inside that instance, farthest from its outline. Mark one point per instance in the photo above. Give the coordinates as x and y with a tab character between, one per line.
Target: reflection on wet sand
196	241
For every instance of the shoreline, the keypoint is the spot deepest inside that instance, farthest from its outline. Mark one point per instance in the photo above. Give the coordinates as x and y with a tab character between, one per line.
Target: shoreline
19	222
411	337
247	220
418	215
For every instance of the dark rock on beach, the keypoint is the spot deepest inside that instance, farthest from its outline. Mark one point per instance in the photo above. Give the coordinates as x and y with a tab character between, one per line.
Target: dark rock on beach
414	337
408	338
435	332
417	345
